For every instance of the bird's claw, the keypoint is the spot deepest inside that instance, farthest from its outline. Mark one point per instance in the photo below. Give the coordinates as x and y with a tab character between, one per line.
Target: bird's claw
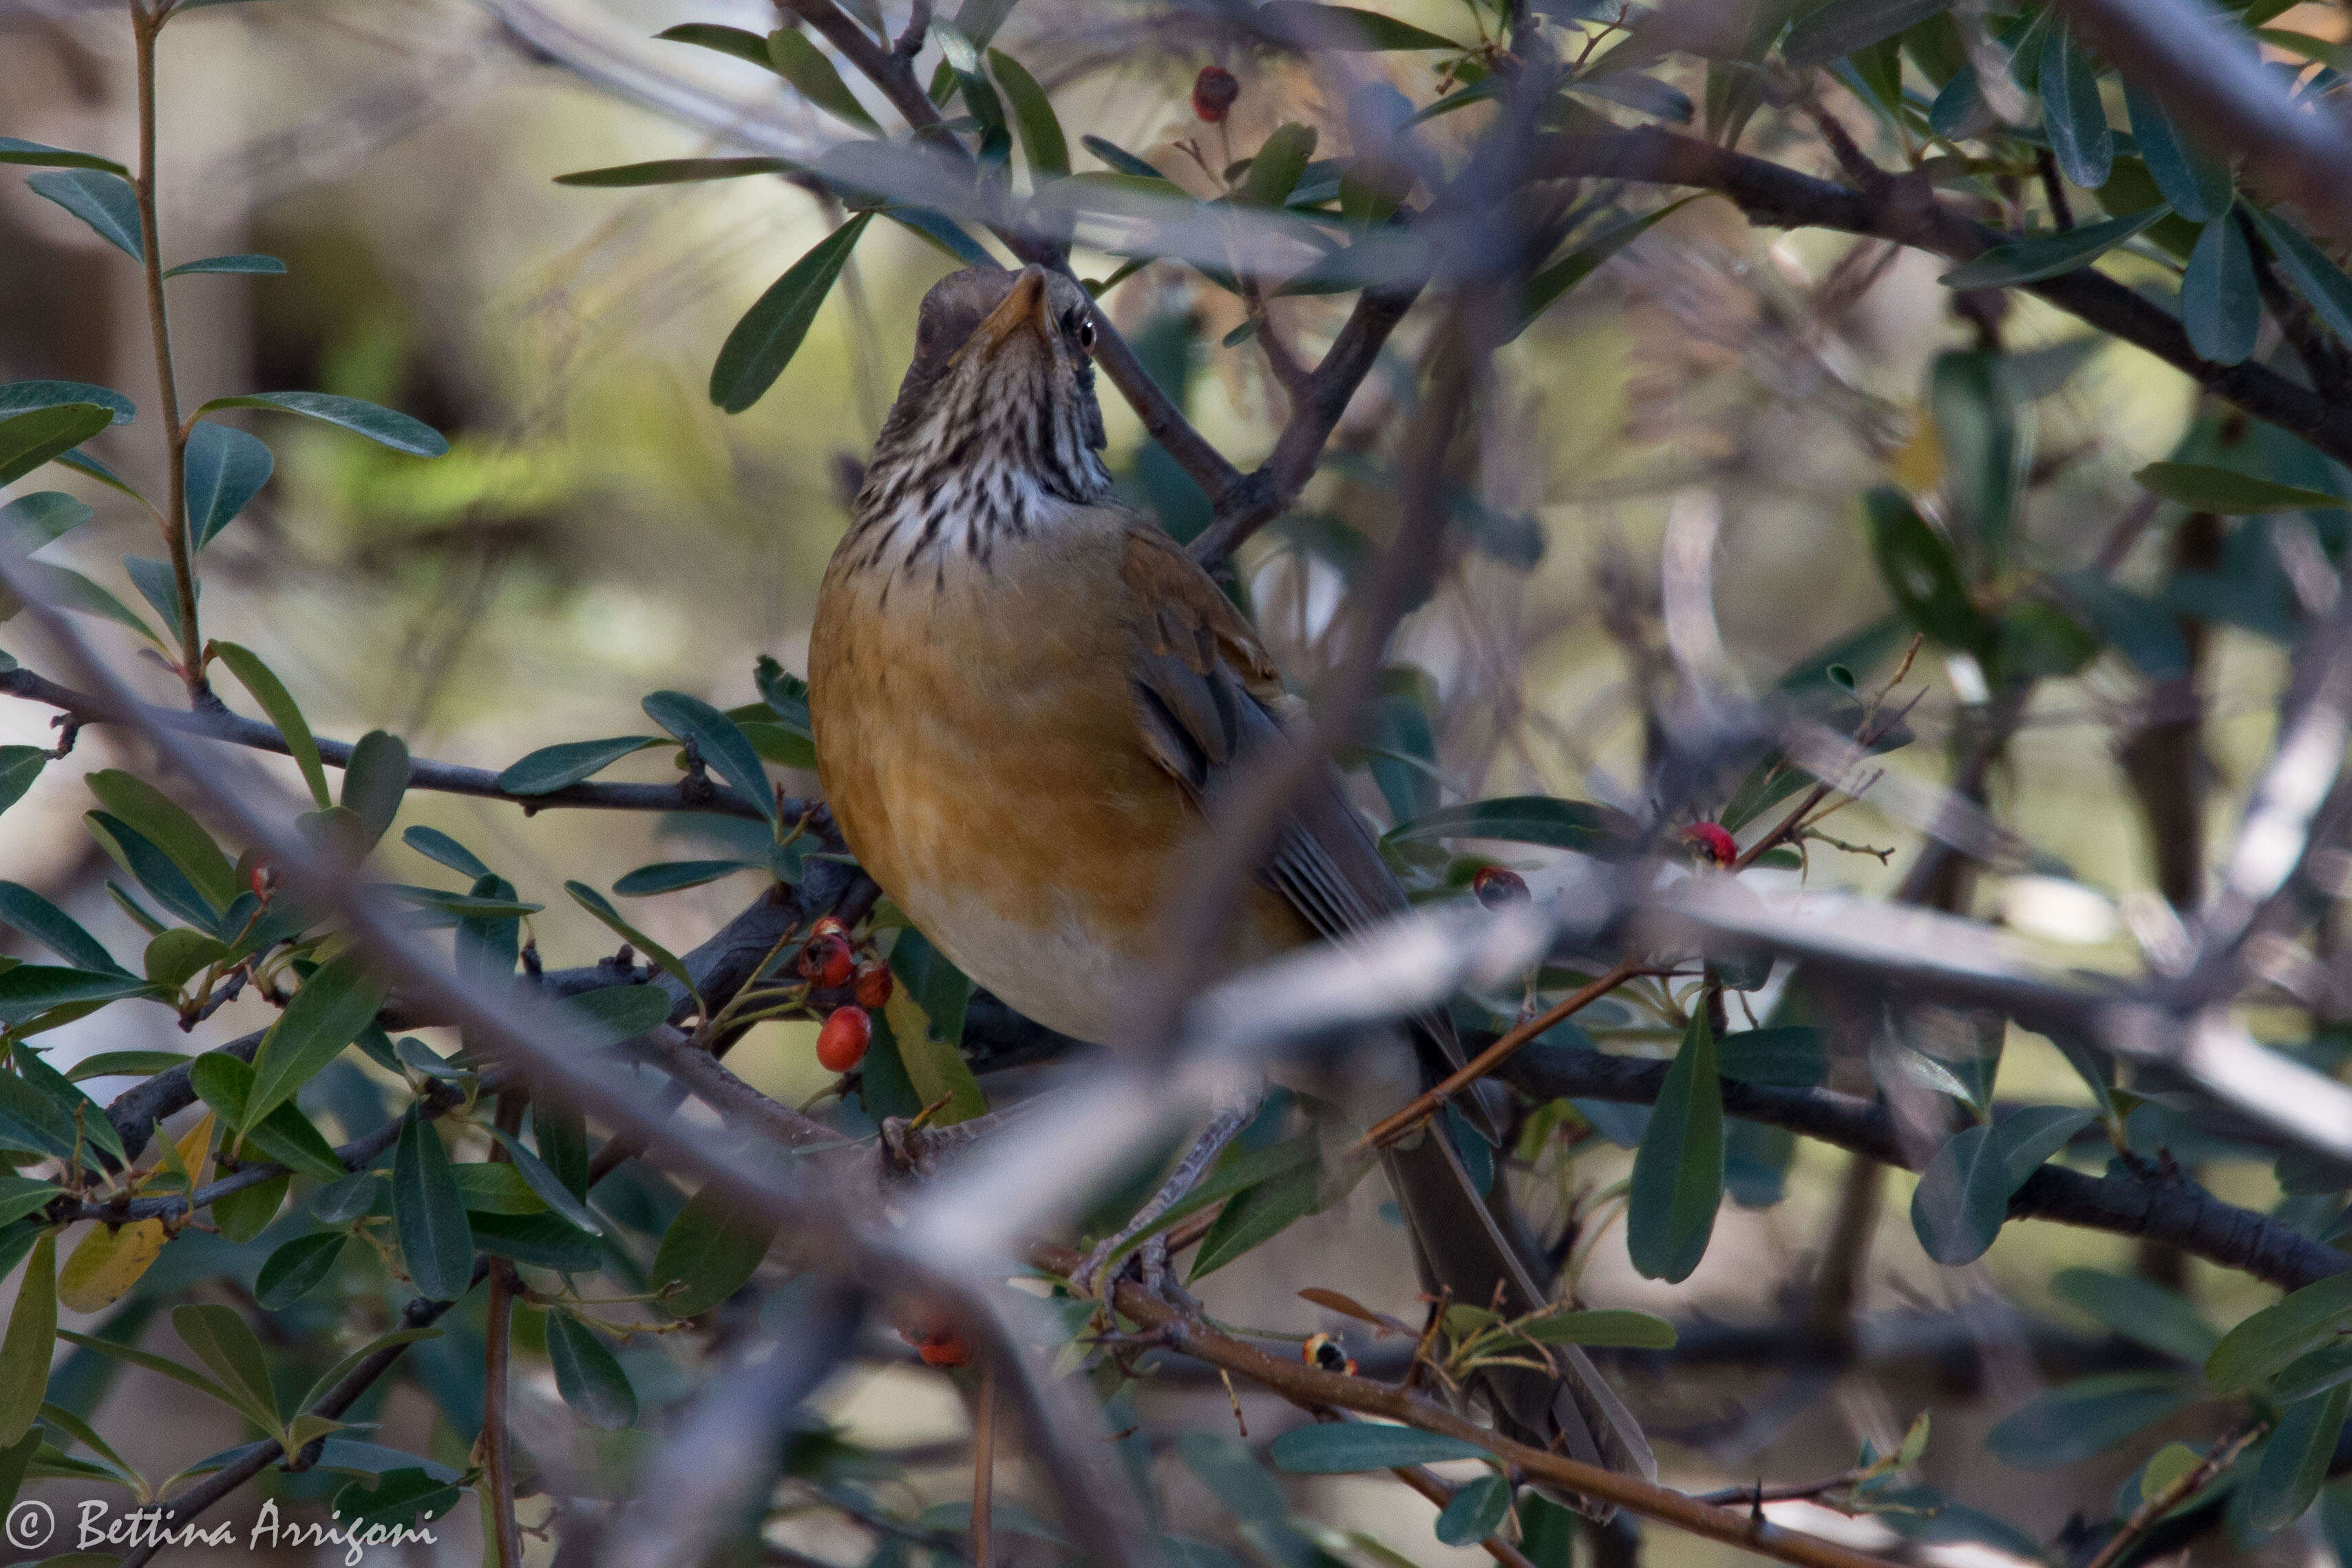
1147	1264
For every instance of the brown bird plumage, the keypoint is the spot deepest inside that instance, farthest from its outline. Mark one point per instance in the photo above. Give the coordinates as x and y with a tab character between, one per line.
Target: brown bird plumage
1022	696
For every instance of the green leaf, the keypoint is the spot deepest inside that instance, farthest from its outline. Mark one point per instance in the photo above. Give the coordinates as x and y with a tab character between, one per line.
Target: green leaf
161	588
2220	304
124	1064
1273	173
2280	1334
546	1185
1344	1447
30	990
2197	187
21	1195
1841	28
429	1213
1120	159
32	522
802	63
162	822
22	396
222	1082
249	262
267	690
34	915
384	426
723	747
180	952
28	440
1345	27
19	766
1985	431
81	462
2141	1310
2087	1416
405	1498
14	150
1556	279
106	202
296	1268
68	589
339	1202
2029	261
226	469
1789	1056
1962	1197
1256	1215
2073	114
338	1000
747	47
925	1015
288	1137
542	1240
226	1344
2029	1136
710	1250
374	781
589	1376
612	1013
162	1365
496	1187
2318	279
1527	819
672	876
1923	574
31	1339
2203	488
770	334
1041	141
678	172
596	904
2295	1460
1476	1511
1677	1181
2328	1367
246	1213
1611	1326
436	844
552	768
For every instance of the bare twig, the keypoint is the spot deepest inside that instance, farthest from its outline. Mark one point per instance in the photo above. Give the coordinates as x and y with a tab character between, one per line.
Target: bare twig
2188	1484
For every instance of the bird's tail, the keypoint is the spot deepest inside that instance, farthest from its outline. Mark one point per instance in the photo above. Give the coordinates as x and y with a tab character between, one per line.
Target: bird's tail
1474	1248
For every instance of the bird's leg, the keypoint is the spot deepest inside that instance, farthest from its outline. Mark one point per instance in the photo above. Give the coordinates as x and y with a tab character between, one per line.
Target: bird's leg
1087	1281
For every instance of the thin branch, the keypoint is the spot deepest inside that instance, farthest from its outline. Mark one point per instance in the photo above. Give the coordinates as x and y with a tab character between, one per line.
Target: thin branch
498	1442
2186	1485
449	778
1421	1478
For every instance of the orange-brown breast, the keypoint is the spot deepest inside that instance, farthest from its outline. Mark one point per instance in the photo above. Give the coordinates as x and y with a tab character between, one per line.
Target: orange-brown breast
977	737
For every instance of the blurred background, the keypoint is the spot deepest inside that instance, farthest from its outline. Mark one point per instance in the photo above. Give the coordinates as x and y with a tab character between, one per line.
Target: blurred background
599	529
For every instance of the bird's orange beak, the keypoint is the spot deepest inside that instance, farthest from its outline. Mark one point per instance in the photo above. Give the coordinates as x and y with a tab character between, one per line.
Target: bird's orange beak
1023	311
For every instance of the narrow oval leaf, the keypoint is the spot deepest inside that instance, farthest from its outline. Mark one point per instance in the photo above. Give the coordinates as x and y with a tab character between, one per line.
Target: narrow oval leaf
2030	1135
436	844
106	202
30	990
2072	113
561	767
2139	1310
744	45
1528	819
14	150
22	396
374	779
1476	1511
1256	1215
2325	1368
107	1263
2087	1416
1306	24
28	440
588	1376
2316	278
2295	1461
720	743
1789	1056
1344	1447
2029	261
2201	487
2220	304
226	1344
429	1213
338	1000
246	1212
1615	1327
340	1202
1962	1197
796	58
249	262
1545	286
596	904
770	334
1832	32
163	822
1677	1183
2268	1340
678	172
1120	159
2197	187
386	426
671	876
710	1250
19	766
226	469
546	1185
1041	141
34	916
124	1064
31	1339
270	692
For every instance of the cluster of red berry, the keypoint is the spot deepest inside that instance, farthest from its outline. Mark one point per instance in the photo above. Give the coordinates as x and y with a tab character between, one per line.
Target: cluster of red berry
828	963
934	1338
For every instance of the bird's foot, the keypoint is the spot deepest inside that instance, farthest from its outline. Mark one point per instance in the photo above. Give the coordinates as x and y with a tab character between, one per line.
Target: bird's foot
1148	1266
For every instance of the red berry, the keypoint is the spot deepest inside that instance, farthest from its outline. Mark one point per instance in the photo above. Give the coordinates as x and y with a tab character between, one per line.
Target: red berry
1498	889
828	925
841	1043
874	986
826	961
1713	841
1213	91
949	1350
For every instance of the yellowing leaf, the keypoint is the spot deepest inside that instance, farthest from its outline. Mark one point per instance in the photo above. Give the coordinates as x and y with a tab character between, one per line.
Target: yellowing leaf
934	1067
1917	465
108	1263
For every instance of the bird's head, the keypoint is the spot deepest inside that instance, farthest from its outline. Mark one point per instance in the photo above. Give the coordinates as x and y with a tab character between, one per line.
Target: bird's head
1001	386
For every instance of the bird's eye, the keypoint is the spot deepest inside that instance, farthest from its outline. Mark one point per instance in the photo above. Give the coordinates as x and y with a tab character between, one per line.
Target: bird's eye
1086	331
